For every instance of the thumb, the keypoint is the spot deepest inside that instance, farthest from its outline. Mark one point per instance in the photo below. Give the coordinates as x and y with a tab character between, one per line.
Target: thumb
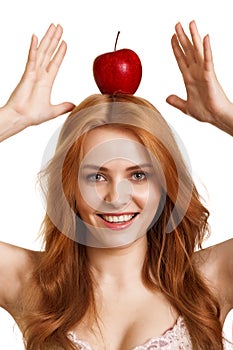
177	102
62	108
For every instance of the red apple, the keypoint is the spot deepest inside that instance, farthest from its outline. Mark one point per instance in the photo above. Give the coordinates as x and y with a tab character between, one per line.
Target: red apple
119	71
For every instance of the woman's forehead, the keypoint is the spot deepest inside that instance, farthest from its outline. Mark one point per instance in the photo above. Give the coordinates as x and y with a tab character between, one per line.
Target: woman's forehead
107	133
103	145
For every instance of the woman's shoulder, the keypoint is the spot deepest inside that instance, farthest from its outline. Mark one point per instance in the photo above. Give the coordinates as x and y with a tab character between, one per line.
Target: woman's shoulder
16	265
15	258
218	257
216	264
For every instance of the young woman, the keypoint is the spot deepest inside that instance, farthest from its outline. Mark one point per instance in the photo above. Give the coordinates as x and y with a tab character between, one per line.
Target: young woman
120	268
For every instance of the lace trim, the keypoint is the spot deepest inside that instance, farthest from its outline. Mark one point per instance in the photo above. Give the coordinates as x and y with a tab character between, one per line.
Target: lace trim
176	338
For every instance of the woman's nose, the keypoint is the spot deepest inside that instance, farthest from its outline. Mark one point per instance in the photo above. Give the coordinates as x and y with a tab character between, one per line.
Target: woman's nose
119	194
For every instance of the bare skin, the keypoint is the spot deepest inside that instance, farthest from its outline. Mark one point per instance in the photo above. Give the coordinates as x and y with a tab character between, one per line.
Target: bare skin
131	322
194	59
29	104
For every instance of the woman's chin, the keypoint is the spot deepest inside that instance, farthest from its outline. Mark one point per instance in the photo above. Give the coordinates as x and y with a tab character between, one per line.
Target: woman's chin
105	237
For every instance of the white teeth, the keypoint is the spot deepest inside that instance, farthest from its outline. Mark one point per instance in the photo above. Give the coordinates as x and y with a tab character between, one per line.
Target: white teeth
121	218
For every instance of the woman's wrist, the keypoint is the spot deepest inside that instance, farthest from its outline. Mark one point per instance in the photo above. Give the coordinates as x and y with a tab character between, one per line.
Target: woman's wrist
225	120
11	122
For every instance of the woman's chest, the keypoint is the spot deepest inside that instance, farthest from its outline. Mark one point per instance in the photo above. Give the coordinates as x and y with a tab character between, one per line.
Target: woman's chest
124	324
176	338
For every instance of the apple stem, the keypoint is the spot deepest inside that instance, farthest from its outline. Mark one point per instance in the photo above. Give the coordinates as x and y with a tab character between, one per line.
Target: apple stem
116	40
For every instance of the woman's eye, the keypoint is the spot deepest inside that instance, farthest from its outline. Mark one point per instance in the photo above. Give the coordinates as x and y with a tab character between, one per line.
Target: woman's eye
95	178
139	176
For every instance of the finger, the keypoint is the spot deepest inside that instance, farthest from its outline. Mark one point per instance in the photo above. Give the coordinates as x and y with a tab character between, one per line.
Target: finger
53	45
177	102
197	41
56	62
32	55
179	54
46	43
185	44
208	57
62	108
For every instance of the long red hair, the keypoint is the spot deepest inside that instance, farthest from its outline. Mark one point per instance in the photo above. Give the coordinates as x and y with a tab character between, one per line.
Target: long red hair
61	289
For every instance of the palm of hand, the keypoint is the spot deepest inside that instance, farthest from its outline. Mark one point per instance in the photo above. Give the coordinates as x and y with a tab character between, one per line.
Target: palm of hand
206	100
31	98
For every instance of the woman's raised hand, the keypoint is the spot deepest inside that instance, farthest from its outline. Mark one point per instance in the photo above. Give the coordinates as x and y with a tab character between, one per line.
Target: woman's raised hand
206	100
29	104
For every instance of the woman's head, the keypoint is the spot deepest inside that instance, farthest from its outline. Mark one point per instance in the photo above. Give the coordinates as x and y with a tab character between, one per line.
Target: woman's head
128	130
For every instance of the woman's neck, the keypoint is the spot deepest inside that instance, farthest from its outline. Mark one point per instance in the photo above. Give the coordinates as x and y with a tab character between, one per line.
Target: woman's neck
118	265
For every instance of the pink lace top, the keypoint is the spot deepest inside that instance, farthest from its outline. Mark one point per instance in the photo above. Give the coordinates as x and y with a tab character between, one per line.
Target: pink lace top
176	338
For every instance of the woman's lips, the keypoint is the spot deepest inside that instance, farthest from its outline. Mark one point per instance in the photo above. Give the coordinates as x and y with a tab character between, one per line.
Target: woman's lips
117	221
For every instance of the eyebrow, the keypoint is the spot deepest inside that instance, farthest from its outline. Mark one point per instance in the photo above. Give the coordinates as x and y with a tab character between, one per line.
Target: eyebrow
134	167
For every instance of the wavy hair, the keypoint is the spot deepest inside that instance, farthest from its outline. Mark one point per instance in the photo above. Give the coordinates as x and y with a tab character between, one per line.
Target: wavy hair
61	290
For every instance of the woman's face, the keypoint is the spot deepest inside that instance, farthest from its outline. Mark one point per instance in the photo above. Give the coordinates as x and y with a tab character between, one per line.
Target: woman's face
118	193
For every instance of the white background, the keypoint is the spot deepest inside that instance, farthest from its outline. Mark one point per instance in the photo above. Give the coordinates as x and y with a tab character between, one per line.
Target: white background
90	28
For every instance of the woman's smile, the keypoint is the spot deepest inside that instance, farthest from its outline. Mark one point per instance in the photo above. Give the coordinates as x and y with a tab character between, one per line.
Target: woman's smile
118	221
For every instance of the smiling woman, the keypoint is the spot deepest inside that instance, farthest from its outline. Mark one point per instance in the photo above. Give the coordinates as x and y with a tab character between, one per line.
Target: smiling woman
140	184
122	262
